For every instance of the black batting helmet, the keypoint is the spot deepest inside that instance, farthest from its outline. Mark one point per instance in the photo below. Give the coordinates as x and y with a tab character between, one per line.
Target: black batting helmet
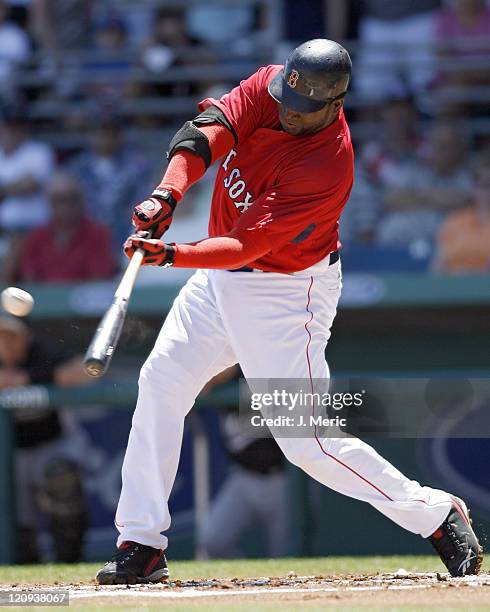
310	75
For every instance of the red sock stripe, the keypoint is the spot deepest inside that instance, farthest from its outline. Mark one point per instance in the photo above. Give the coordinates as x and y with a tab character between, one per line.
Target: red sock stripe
311	384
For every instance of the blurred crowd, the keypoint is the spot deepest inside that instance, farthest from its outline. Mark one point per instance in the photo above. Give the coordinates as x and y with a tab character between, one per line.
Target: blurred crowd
91	92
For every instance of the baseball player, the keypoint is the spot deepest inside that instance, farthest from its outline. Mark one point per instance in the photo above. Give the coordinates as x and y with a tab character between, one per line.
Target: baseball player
265	295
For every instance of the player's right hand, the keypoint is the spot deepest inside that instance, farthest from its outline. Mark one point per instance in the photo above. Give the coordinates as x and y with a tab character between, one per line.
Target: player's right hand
156	252
155	213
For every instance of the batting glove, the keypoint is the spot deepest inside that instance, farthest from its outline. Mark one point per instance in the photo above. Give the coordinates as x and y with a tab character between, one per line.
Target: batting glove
155	213
157	253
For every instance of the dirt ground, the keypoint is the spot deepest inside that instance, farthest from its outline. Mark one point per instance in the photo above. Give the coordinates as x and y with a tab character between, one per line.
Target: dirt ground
402	590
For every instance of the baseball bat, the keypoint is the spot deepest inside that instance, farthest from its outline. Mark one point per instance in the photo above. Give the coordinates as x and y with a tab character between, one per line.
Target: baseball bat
104	342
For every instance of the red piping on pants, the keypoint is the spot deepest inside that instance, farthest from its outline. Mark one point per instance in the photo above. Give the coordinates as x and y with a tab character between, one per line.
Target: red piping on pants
311	383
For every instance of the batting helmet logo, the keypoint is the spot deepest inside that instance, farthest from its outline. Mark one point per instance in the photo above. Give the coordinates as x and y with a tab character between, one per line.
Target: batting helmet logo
293	78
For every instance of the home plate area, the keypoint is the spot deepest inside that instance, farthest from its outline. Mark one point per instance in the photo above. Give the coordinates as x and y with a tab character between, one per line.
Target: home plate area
401	587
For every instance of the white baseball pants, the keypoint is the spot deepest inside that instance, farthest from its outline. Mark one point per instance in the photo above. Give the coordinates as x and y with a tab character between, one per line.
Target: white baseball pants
274	326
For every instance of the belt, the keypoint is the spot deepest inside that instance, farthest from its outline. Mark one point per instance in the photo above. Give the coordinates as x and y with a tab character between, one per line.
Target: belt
334	257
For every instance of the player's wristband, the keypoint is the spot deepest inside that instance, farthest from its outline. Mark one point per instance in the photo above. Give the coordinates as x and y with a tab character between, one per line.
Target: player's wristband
168	260
165	194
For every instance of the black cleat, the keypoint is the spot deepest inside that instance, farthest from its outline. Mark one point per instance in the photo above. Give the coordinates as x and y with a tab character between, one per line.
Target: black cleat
134	563
456	542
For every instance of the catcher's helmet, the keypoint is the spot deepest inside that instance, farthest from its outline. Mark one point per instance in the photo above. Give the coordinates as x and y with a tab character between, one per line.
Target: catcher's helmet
309	77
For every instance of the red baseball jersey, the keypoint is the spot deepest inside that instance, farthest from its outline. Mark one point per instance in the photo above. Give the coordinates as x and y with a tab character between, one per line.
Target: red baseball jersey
293	187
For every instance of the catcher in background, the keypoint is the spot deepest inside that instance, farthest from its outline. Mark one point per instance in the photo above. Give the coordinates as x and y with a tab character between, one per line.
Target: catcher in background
49	449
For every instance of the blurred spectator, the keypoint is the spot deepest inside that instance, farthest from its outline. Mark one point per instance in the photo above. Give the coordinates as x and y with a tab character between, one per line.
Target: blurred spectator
109	69
413	211
71	247
254	495
170	29
249	28
220	22
49	450
19	11
389	159
15	48
112	175
61	28
168	46
462	36
318	19
61	25
139	18
463	32
360	216
463	243
333	19
25	168
395	46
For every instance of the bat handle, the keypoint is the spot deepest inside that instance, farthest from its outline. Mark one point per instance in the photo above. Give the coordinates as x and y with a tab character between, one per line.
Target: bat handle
126	283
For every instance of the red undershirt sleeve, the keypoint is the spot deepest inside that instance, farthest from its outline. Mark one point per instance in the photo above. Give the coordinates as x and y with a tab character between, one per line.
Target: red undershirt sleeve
186	168
236	249
232	251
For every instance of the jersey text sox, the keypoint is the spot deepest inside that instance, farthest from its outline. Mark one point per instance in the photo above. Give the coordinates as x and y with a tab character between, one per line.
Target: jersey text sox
236	187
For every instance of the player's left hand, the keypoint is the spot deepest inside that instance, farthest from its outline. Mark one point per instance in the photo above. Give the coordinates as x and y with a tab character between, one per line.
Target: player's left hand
157	253
155	214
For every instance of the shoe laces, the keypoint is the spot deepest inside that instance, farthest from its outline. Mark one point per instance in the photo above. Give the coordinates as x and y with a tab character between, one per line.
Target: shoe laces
125	552
448	541
458	543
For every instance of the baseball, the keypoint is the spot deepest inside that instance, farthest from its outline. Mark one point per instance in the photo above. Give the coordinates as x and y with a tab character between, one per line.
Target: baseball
17	301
